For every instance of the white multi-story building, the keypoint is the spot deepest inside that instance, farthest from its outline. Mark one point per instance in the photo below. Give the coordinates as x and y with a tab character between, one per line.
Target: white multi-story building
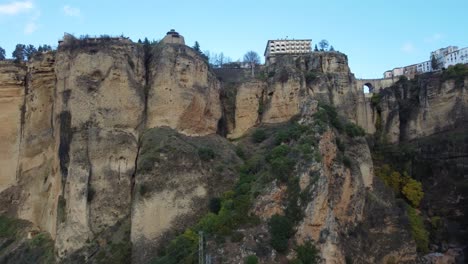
444	57
424	67
456	57
286	46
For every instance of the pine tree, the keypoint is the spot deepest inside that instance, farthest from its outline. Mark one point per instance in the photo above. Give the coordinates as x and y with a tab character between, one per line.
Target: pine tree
19	52
331	48
316	49
2	53
196	47
29	51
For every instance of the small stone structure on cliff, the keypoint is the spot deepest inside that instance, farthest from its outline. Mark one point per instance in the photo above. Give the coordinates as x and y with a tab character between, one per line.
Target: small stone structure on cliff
173	37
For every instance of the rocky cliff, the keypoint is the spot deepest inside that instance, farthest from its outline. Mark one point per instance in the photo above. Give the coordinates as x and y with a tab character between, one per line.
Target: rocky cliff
118	150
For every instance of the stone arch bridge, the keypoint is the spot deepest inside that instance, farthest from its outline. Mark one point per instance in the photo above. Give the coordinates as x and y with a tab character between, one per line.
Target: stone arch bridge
375	85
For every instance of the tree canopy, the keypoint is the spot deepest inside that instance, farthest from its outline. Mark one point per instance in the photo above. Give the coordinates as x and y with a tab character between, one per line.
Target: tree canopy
252	58
323	44
2	53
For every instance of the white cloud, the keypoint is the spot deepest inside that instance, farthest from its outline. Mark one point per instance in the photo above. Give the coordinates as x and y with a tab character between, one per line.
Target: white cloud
30	27
408	47
435	37
71	11
14	8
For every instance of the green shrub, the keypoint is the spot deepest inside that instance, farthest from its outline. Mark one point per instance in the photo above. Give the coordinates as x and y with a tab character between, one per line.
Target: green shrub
456	72
8	226
61	209
215	205
354	130
318	156
328	114
182	249
282	167
292	132
206	154
307	254
418	231
253	165
259	135
280	230
412	190
375	99
252	259
310	77
240	152
278	152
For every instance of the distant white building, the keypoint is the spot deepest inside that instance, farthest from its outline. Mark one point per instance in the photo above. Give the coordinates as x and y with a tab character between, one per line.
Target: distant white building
456	57
424	67
445	57
286	46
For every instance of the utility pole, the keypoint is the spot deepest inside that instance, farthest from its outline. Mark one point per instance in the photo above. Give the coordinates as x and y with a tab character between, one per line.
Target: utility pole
201	253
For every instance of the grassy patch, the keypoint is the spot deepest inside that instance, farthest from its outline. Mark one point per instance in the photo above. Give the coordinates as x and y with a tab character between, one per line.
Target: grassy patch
206	154
259	135
418	230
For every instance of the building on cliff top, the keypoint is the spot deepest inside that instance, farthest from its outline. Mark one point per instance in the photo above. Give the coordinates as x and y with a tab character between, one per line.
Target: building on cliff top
443	57
286	46
173	37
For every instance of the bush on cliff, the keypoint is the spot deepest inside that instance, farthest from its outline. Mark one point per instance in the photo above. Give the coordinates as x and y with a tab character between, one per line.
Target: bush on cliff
281	229
259	135
418	231
412	190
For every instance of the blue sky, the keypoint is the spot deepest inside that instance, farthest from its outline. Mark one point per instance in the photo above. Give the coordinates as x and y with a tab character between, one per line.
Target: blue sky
376	35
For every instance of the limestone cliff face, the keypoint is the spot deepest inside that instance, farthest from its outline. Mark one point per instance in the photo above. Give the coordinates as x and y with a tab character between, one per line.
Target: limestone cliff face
421	107
183	92
108	145
38	164
248	100
12	81
175	179
99	108
288	86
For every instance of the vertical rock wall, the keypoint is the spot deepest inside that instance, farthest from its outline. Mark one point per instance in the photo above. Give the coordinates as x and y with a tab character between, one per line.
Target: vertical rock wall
12	81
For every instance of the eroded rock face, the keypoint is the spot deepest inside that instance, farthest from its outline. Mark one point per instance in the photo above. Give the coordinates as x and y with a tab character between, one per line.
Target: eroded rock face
100	107
421	107
38	166
176	177
12	81
183	92
247	104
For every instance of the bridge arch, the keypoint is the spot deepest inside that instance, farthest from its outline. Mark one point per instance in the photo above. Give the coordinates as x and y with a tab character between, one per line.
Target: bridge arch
367	88
374	85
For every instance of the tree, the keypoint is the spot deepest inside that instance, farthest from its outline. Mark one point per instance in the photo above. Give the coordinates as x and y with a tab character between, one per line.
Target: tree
434	63
331	48
323	44
316	49
19	52
29	51
44	48
2	53
252	59
196	47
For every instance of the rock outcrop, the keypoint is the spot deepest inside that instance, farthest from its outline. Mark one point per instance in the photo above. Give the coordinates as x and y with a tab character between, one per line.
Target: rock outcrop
12	83
112	148
183	92
422	106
